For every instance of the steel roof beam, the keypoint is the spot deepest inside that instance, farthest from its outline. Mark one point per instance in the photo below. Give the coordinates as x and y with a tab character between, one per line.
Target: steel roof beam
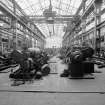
80	7
56	20
33	16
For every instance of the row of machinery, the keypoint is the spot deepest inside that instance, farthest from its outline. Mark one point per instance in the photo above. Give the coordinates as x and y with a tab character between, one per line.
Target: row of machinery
80	60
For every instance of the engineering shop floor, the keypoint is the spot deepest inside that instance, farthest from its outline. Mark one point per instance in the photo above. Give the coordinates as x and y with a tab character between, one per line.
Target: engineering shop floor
54	90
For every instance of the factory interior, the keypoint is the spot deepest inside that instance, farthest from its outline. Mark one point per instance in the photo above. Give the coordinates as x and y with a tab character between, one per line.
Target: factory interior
52	52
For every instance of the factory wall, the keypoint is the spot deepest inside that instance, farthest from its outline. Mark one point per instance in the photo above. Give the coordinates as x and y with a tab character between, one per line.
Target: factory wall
91	28
15	28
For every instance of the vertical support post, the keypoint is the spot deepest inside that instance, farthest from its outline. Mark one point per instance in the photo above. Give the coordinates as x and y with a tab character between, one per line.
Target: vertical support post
95	28
1	49
14	22
24	37
14	34
97	9
83	20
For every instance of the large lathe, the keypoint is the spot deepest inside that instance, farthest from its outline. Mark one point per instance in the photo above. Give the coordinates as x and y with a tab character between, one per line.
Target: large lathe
81	62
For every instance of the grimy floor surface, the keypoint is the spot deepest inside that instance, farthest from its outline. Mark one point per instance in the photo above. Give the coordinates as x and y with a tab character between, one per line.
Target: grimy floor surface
54	90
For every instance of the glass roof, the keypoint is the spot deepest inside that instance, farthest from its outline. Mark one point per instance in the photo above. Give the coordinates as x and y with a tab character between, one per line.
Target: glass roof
36	7
62	7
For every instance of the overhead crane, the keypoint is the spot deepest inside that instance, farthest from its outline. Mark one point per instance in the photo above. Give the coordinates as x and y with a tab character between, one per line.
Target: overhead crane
51	20
49	16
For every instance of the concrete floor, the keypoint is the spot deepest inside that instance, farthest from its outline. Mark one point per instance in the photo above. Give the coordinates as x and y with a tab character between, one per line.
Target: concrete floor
54	90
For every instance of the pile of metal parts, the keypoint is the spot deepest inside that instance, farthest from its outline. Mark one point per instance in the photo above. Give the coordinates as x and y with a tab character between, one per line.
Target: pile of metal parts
80	61
6	62
31	65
